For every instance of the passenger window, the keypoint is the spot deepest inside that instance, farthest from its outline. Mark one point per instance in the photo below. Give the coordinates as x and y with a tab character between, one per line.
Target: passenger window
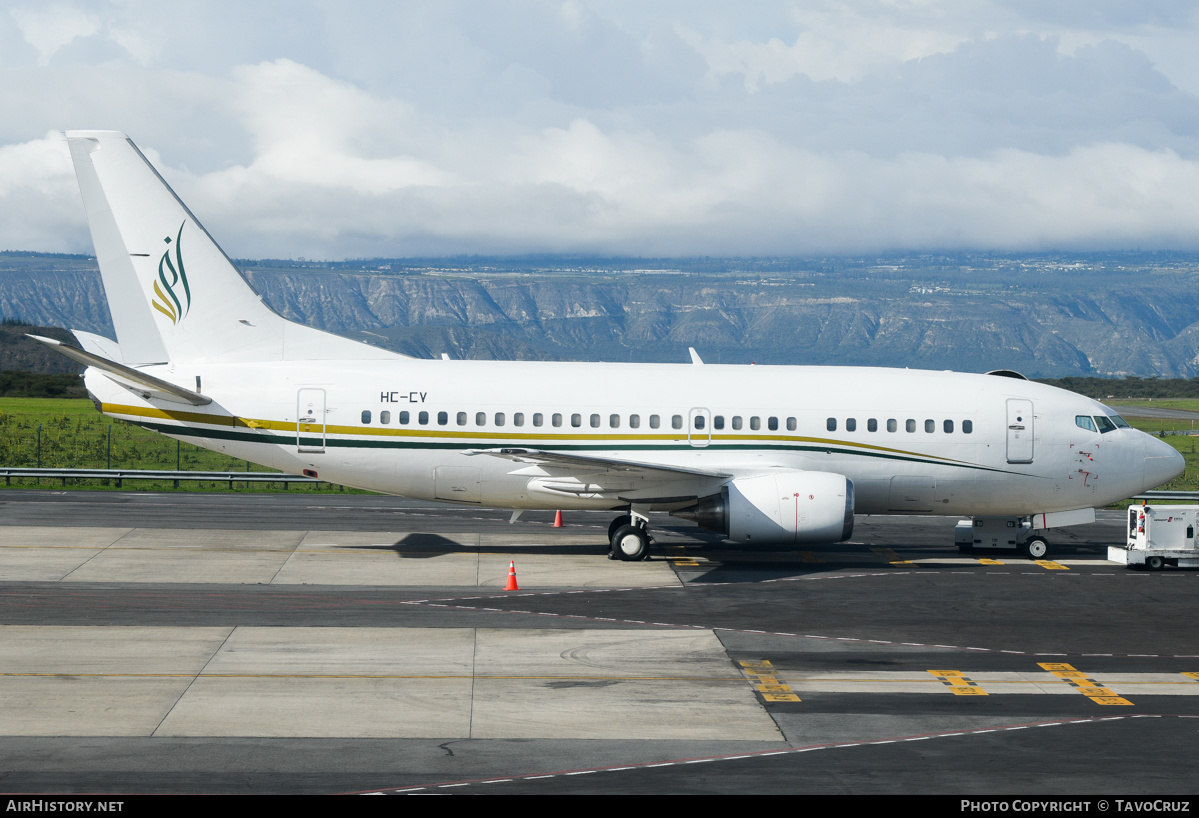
557	419
737	422
699	421
614	421
718	421
791	425
538	419
892	425
676	422
499	418
462	418
851	424
443	418
576	420
366	415
634	421
831	424
595	421
755	423
480	418
385	417
930	426
948	426
518	419
404	418
773	424
967	427
910	425
872	425
423	418
654	421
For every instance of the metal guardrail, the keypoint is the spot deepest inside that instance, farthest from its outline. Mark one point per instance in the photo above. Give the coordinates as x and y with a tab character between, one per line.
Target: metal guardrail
120	475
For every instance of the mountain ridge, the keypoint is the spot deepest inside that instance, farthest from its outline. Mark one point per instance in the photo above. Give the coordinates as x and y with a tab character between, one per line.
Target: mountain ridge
1110	315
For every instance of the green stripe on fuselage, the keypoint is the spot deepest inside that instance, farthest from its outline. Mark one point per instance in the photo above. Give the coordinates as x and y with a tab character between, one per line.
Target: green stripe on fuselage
275	439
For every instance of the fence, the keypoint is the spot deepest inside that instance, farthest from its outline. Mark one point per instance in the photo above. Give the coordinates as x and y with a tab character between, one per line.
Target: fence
120	475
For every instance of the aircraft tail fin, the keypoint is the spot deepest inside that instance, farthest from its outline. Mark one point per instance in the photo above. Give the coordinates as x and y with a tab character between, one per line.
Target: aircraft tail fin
173	293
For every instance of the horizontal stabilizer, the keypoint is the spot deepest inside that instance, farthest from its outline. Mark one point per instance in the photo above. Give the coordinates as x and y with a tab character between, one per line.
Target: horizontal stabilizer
140	382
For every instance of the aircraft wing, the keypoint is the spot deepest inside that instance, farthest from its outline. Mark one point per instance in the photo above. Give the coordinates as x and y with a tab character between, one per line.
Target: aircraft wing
609	477
577	461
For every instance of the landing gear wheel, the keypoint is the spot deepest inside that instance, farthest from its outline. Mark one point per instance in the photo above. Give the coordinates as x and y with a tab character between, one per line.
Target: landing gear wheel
630	543
624	519
1155	563
1035	548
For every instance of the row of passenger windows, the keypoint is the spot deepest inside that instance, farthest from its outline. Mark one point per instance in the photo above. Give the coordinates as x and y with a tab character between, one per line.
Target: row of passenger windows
558	419
909	425
698	421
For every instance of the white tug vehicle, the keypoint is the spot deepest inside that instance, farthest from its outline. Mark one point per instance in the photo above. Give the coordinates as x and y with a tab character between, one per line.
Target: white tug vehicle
1159	536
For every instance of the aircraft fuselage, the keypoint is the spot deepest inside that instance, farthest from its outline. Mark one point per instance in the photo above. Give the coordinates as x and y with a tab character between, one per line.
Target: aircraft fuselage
910	441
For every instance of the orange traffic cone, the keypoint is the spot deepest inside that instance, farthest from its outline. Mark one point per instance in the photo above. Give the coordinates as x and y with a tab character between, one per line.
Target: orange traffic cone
558	519
511	586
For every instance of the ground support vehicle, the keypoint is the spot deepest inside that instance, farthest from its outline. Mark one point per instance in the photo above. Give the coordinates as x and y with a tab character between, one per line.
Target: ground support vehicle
1159	536
1001	533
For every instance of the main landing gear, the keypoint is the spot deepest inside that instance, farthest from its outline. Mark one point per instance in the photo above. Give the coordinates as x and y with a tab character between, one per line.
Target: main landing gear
629	538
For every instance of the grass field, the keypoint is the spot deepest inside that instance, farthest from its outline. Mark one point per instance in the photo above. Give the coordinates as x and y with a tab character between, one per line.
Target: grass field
1188	404
75	436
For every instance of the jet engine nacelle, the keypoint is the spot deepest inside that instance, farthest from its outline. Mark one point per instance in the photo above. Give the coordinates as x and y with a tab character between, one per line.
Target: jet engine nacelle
789	507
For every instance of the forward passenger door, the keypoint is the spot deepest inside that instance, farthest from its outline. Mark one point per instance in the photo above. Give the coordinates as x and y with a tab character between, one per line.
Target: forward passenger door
1019	430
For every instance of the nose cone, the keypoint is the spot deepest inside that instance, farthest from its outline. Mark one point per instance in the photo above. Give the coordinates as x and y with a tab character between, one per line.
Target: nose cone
1162	463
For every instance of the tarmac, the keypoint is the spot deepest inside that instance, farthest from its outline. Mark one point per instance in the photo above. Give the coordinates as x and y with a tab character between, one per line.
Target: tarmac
302	643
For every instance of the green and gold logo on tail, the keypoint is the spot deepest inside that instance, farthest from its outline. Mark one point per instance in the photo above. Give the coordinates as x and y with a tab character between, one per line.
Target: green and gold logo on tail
172	282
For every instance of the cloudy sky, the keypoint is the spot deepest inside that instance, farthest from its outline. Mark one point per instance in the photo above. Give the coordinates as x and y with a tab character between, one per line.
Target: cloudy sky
681	127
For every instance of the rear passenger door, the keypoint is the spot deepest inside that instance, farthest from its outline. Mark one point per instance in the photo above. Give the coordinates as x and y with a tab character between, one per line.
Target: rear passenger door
310	420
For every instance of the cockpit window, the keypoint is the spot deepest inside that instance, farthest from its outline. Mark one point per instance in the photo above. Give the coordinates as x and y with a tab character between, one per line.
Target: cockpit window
1084	422
1105	425
1119	421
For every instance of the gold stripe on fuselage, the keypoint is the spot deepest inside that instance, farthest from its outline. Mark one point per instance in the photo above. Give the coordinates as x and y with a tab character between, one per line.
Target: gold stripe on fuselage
190	418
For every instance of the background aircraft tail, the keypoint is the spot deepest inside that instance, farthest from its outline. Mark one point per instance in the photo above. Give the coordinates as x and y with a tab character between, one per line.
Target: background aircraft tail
173	293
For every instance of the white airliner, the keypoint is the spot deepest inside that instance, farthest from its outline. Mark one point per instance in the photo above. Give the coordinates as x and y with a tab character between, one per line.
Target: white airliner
762	454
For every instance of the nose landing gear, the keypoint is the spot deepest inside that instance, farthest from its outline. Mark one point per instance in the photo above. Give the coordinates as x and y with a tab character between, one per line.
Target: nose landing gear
1035	548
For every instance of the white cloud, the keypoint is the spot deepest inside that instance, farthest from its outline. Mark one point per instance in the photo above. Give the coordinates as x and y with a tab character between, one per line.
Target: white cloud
39	197
310	129
693	127
836	41
49	28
